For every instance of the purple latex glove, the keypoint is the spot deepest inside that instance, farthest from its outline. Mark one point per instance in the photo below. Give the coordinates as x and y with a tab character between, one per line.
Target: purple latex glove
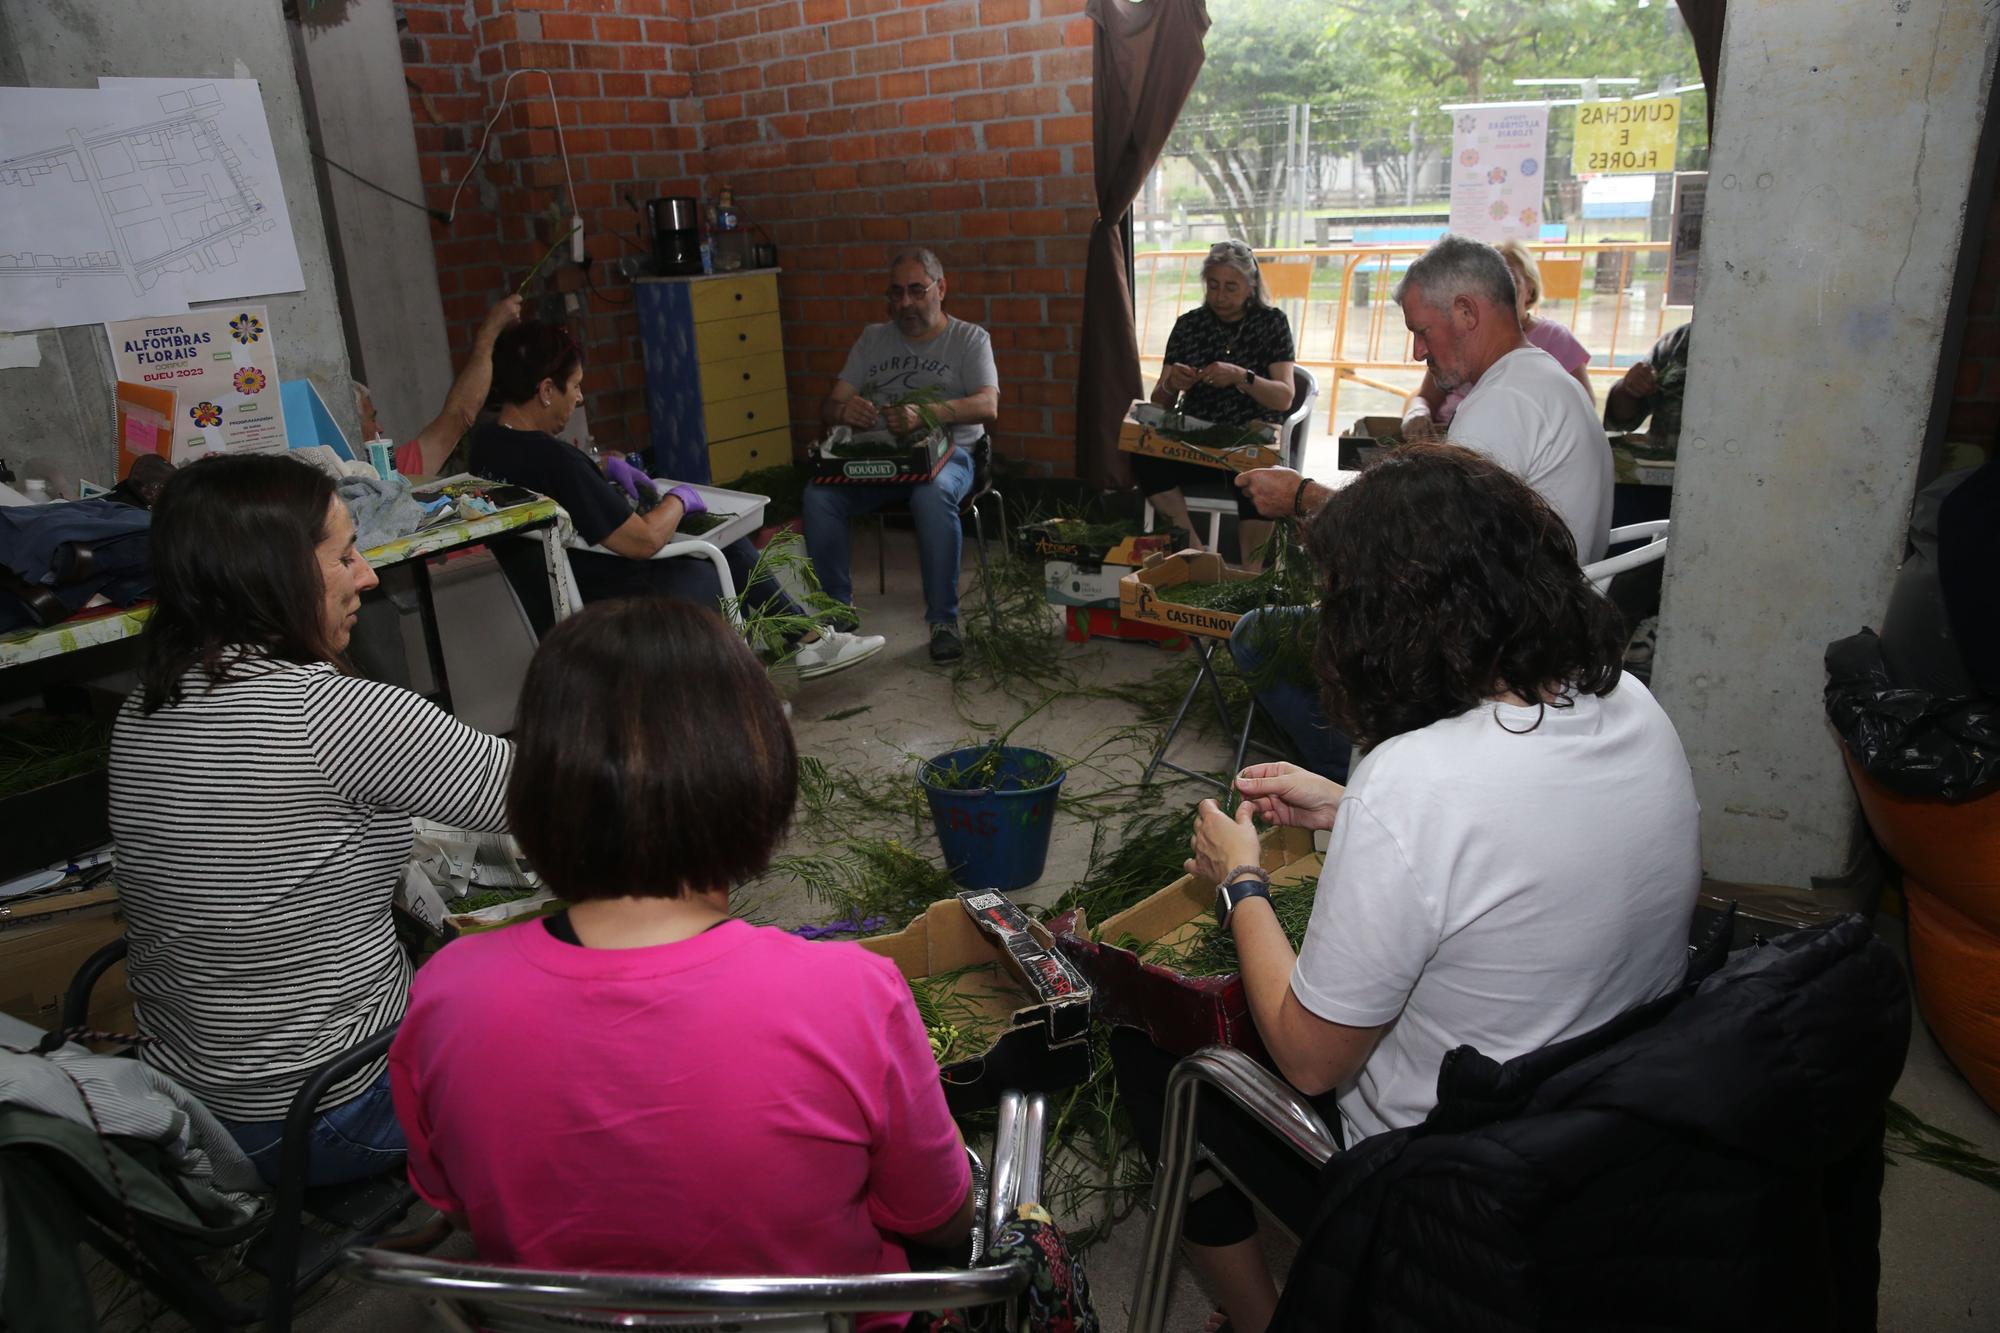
631	480
690	499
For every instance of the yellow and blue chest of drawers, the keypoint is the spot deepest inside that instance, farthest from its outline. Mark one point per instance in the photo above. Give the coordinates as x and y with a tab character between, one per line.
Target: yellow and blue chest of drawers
715	375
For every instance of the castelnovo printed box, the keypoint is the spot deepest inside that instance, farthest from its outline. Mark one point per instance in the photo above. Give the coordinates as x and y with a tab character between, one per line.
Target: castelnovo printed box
909	463
1044	1039
1145	594
1140	433
1180	1013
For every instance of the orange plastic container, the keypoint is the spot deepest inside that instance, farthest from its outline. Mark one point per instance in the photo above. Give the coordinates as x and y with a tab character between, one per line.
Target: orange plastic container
1950	855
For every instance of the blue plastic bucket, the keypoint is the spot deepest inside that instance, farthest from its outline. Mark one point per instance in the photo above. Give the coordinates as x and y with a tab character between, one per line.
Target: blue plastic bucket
996	836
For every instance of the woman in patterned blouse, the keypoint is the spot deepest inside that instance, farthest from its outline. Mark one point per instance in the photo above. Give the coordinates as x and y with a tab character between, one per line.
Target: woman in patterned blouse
1229	361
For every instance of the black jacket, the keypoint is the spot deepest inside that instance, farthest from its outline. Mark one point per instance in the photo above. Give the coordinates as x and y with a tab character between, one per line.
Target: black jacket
1712	1160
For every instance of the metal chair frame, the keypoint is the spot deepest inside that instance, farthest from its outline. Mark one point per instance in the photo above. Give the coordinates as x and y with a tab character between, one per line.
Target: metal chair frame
363	1208
520	1300
1272	1103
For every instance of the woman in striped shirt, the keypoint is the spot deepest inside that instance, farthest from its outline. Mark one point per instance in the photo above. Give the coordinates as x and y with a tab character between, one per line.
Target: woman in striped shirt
261	799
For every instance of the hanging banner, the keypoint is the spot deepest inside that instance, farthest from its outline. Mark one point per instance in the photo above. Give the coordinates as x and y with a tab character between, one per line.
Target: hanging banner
1690	197
1496	172
223	370
1618	137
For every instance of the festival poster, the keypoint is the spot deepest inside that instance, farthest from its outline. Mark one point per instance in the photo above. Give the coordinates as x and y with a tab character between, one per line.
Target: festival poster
222	366
1497	160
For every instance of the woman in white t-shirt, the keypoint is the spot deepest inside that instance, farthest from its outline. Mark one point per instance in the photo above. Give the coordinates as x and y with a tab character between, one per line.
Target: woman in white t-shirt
1515	859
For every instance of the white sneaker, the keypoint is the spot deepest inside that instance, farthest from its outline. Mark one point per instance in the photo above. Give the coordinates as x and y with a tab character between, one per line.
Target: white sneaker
834	650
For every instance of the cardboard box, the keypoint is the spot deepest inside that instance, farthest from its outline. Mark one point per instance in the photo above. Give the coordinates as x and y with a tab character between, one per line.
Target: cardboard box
1140	434
45	940
1083	623
911	464
1362	445
1139	593
1067	584
1180	1013
1044	1041
1046	541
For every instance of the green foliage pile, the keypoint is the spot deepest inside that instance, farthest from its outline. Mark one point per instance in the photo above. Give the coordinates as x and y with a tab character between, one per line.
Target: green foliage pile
41	749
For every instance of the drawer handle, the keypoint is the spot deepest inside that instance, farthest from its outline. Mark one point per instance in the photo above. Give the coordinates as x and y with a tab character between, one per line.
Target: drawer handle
743	337
746	377
749	416
739	296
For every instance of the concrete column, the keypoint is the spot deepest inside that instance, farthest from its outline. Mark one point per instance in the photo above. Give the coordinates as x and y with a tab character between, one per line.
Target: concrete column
1837	204
68	44
351	73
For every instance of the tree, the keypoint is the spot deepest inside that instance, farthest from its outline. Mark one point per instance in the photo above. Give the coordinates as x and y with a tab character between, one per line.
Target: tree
1264	57
1473	49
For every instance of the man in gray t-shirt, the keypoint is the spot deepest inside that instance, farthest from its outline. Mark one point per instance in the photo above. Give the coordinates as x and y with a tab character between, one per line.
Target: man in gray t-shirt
920	347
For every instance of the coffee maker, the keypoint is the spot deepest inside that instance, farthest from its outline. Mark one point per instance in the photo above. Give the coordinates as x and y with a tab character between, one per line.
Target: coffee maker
676	227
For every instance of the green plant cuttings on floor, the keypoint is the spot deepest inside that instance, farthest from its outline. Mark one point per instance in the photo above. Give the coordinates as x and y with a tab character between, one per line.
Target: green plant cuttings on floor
42	749
1907	1135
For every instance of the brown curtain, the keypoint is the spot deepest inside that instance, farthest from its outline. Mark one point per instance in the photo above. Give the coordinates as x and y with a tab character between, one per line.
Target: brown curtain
1148	54
1704	25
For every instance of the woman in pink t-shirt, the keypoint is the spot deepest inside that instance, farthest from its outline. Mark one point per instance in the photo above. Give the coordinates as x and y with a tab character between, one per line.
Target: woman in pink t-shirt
644	1082
1430	409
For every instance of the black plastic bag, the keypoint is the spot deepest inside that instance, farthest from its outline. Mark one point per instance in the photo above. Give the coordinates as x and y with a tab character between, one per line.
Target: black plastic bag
1911	741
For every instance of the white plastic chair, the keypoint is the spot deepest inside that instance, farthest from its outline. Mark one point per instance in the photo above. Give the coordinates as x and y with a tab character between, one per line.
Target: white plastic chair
1654	534
681	548
1293	431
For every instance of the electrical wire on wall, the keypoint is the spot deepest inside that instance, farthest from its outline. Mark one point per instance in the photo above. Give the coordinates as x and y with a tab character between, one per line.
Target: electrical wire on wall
555	105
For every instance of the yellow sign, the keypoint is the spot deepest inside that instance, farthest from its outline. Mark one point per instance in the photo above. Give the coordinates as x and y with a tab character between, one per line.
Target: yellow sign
1614	137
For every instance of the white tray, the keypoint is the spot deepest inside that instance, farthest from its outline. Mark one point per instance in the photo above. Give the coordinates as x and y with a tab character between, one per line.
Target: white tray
749	511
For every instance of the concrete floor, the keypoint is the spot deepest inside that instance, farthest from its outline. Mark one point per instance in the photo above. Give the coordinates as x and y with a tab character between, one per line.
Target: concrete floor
1940	1233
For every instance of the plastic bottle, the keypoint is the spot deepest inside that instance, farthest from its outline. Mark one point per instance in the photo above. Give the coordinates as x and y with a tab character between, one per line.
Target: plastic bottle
726	216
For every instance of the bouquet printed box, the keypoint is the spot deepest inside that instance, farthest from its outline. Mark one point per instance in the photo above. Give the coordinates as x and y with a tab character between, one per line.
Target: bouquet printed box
875	457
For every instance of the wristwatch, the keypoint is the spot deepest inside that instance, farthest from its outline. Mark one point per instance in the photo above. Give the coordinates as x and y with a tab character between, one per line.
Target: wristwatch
1237	886
1249	378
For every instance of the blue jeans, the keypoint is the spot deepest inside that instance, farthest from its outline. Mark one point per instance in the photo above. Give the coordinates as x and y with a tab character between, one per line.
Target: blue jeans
355	1140
940	534
1292	704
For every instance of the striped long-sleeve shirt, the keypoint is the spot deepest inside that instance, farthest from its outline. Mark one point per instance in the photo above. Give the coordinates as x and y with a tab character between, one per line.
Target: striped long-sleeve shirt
262	826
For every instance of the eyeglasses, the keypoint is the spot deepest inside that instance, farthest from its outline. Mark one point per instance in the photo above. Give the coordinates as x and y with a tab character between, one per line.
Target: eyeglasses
916	291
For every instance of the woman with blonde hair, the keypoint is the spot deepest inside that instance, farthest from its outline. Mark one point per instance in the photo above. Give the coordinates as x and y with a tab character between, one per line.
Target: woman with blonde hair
1429	410
1229	361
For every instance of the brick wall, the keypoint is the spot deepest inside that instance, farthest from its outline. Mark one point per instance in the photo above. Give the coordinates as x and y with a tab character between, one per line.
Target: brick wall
845	128
621	69
1975	404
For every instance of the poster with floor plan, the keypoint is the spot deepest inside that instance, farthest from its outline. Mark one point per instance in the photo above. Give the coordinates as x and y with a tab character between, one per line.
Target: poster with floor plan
136	198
